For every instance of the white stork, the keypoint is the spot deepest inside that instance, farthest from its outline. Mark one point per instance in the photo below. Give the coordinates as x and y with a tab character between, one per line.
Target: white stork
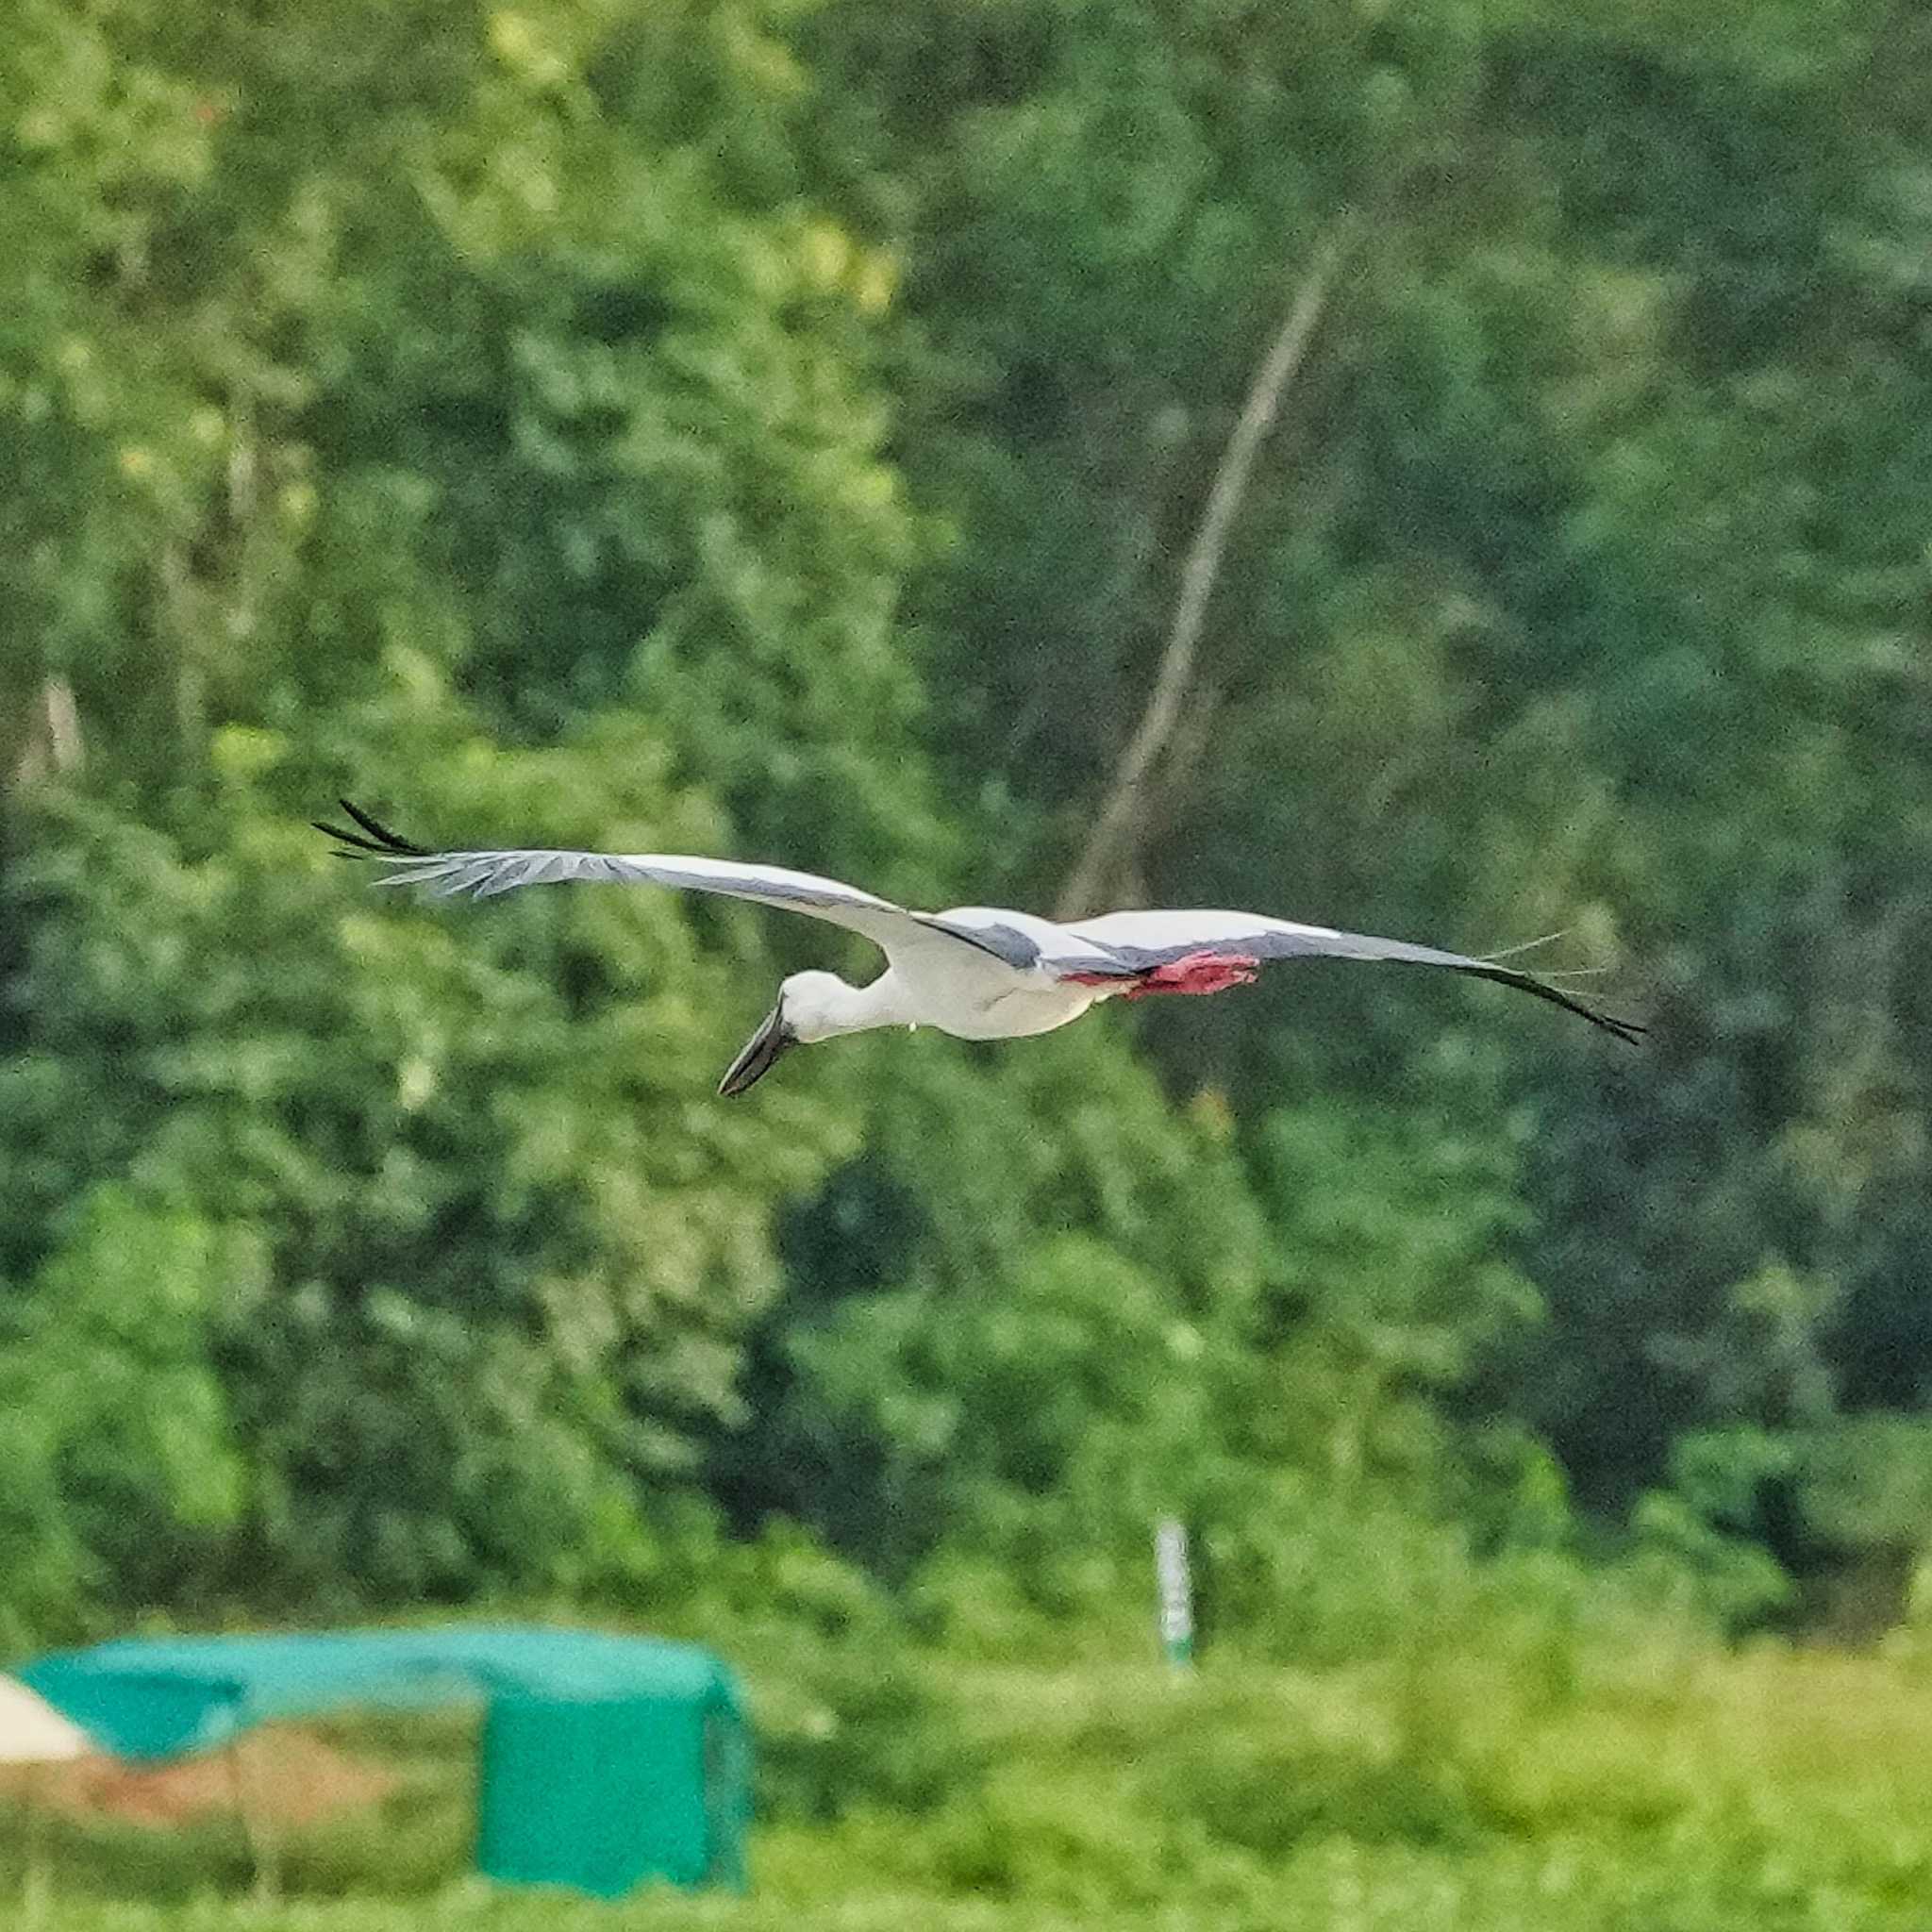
977	972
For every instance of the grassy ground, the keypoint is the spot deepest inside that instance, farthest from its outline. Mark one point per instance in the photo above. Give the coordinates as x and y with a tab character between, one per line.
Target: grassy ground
1771	1793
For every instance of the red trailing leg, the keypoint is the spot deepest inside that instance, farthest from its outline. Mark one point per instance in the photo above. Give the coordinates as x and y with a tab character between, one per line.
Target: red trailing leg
1196	973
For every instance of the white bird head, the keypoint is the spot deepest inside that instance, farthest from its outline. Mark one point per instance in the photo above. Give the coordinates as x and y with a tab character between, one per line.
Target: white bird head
810	1007
816	1005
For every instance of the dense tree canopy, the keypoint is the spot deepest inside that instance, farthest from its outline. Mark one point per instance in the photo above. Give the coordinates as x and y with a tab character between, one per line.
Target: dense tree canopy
791	432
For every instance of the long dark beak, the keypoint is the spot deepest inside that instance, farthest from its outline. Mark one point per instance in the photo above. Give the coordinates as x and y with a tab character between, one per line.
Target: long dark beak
760	1055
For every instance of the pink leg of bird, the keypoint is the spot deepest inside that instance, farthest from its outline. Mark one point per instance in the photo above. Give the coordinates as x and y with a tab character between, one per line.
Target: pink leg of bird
1195	972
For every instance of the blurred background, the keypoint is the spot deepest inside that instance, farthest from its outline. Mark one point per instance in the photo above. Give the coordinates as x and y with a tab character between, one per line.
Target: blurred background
1456	470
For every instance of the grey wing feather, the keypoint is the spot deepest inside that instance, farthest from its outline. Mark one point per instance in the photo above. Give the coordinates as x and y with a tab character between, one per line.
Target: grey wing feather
1007	943
1141	941
485	873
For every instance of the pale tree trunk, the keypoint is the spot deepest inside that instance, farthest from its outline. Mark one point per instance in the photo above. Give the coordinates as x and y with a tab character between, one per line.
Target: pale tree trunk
1103	853
51	743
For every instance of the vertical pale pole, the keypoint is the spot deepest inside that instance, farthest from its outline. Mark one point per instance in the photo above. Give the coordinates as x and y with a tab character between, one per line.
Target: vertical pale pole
256	1832
33	1883
1177	1590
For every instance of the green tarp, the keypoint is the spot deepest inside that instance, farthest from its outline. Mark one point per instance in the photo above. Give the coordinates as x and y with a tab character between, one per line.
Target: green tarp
606	1760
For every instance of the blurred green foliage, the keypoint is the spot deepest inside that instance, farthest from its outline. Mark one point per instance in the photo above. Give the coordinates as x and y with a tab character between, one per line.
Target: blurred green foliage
1461	1788
742	427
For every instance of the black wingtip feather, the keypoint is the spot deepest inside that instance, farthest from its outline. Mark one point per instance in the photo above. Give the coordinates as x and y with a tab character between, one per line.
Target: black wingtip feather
380	832
1630	1032
380	843
349	844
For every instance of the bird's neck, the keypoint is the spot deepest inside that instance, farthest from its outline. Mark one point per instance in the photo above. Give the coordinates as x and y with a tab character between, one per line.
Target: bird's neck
838	1008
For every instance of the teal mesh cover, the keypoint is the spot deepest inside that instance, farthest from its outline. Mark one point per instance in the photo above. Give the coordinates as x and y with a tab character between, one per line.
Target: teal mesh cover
606	1760
603	1796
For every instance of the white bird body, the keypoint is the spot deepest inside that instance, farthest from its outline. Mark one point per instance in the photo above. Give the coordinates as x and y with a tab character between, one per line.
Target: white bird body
962	999
975	994
975	972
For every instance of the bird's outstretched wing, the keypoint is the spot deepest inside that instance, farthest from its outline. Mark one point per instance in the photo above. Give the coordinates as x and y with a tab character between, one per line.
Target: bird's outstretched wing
1141	943
483	874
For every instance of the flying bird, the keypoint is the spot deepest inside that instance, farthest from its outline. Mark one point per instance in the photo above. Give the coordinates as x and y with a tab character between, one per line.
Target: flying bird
977	972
